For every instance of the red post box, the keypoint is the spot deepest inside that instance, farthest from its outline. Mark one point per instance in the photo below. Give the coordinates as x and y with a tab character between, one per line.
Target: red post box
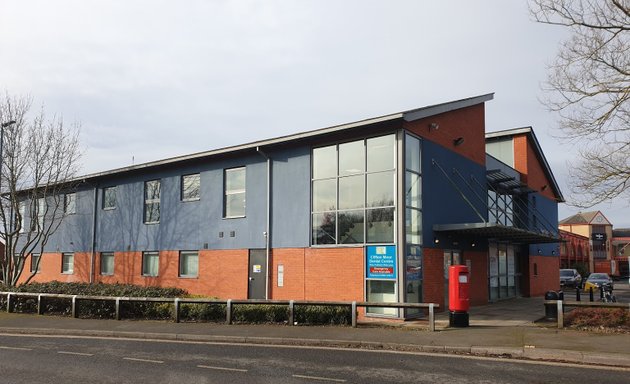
459	295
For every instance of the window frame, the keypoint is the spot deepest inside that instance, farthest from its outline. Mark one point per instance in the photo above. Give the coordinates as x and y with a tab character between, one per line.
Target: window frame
108	254
185	254
145	272
152	201
38	264
64	257
104	196
70	200
331	216
227	193
182	190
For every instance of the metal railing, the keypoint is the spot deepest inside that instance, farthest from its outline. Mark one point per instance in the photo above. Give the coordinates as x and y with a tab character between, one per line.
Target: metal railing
75	299
561	305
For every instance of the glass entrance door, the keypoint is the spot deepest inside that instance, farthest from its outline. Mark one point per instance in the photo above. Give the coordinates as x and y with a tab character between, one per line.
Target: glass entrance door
502	271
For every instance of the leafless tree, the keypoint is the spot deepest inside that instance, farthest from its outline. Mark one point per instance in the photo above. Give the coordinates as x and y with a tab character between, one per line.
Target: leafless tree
39	164
589	85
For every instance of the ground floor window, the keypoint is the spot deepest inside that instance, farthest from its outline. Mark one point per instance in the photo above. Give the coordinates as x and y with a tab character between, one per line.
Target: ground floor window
150	263
188	264
35	263
67	263
381	273
107	263
413	275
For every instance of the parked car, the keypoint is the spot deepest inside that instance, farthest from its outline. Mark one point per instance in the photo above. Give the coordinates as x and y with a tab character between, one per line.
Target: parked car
597	281
570	278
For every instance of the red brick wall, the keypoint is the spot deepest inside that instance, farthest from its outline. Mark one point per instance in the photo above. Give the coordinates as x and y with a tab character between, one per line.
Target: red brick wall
433	284
548	277
468	123
50	268
478	277
293	261
222	273
527	163
334	274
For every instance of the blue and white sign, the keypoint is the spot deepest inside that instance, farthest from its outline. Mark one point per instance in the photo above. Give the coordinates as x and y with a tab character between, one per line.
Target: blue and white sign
381	262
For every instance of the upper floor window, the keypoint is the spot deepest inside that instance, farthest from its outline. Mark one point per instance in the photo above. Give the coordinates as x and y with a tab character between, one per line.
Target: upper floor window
353	192
191	187
109	198
70	203
41	214
152	202
234	203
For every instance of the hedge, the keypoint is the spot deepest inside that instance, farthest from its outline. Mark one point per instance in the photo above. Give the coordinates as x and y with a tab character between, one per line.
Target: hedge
192	312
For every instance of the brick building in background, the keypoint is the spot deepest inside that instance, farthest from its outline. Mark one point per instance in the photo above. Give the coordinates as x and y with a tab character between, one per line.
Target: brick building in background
374	210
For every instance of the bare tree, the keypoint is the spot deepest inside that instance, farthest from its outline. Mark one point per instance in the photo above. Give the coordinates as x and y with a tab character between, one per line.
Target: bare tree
39	163
589	85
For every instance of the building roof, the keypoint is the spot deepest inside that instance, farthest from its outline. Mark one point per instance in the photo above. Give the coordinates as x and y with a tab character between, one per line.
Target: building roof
584	218
621	232
529	132
409	115
564	233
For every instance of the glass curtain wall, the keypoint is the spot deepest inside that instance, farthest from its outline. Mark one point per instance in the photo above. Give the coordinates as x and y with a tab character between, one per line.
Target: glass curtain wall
353	190
413	222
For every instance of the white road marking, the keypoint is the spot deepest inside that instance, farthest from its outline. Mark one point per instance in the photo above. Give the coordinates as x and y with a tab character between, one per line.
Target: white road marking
16	348
222	368
143	360
75	353
318	378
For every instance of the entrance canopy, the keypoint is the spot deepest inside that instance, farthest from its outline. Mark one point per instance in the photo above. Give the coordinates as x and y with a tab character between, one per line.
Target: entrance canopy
498	232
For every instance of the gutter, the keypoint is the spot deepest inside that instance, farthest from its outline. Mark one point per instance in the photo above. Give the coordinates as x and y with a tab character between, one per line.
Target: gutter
267	232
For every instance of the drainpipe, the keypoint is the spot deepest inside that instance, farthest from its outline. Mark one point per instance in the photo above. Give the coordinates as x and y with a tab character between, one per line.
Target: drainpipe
93	246
267	233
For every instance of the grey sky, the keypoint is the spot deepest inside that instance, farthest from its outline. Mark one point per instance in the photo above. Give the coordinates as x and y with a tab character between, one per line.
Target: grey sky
155	79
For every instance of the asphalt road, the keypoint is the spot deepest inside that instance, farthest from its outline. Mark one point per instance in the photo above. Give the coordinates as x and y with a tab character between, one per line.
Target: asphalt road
30	359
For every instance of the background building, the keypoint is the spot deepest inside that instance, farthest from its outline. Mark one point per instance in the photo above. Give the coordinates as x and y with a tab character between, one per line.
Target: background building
596	227
374	210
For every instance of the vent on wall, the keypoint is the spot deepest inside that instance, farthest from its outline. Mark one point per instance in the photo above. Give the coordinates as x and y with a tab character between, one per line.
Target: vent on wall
232	233
220	234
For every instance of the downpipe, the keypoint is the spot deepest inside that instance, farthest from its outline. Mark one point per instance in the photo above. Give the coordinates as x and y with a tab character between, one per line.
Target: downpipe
267	233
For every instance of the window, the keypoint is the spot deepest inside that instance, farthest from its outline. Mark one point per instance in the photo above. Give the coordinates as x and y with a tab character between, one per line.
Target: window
353	192
234	202
70	203
36	262
107	263
109	198
152	202
188	264
67	263
22	219
41	213
190	187
150	263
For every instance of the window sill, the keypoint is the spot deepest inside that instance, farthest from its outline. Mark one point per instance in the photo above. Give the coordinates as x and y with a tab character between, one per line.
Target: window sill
150	275
68	273
188	277
109	209
152	223
234	217
107	274
190	200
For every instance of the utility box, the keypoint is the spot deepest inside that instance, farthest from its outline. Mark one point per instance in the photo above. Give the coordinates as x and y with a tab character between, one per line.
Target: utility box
459	295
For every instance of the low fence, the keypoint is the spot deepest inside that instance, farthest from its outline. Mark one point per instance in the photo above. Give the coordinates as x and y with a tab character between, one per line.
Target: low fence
561	305
176	302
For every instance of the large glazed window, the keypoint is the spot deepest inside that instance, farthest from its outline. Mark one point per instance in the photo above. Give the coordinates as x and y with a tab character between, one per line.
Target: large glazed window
152	202
413	222
234	203
353	192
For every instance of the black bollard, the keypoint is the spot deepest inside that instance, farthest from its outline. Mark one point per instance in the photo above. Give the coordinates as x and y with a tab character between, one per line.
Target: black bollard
577	294
601	292
590	293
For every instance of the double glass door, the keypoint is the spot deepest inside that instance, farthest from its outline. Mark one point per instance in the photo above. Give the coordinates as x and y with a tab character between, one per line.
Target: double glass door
502	271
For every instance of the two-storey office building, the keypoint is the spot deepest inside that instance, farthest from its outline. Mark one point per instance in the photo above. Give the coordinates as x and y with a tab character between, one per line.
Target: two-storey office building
373	210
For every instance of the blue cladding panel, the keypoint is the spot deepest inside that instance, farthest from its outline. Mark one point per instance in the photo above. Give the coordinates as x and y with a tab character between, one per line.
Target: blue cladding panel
441	202
548	209
192	224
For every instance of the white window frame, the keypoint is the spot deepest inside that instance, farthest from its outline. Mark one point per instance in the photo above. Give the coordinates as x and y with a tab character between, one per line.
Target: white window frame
70	203
105	190
148	201
145	271
227	193
182	190
67	263
107	254
184	255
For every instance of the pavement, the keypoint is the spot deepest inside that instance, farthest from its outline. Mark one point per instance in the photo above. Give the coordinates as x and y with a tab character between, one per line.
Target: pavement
507	329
